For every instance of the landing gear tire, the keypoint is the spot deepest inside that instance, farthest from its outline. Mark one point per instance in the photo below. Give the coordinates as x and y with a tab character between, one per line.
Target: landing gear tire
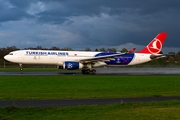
83	71
88	71
93	71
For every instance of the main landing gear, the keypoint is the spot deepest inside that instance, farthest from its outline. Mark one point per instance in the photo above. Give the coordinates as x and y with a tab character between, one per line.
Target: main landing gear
88	71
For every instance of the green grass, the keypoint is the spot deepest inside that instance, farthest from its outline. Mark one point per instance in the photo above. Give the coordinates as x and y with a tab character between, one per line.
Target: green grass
98	86
129	111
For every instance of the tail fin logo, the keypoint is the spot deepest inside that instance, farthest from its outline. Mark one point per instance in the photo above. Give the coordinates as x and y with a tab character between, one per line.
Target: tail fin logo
155	46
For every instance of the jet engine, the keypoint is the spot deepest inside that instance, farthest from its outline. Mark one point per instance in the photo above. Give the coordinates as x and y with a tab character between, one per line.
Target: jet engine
71	65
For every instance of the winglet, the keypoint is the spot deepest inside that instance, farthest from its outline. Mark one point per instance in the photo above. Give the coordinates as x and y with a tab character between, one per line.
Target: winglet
155	46
132	50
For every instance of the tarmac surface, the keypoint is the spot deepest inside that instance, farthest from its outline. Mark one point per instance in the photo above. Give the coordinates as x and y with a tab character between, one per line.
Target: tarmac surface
107	71
76	102
100	71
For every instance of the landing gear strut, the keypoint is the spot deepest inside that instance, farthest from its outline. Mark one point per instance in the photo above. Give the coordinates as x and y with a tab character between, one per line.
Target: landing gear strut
88	71
21	68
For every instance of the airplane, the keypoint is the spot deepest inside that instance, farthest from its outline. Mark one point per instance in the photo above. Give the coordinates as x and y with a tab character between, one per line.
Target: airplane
87	61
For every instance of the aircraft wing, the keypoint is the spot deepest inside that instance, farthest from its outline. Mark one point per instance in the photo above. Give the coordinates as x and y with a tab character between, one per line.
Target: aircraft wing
100	58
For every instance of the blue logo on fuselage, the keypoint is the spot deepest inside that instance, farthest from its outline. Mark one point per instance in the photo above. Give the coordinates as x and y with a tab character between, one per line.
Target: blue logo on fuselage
123	59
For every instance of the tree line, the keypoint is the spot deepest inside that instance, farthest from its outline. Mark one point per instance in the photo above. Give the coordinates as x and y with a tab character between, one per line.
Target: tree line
172	56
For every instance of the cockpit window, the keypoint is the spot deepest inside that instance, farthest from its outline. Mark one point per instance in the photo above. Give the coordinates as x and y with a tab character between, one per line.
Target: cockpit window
10	53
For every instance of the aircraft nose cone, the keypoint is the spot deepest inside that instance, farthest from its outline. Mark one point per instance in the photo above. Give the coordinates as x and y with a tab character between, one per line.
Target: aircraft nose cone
6	57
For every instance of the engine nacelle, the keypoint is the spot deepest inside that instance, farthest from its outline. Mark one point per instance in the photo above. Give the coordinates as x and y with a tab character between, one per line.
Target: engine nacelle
71	65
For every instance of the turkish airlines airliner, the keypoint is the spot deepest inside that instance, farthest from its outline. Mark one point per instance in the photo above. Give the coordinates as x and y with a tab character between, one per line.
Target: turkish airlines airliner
86	61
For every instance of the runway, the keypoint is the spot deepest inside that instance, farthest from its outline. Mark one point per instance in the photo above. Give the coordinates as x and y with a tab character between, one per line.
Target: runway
107	71
140	70
52	103
24	73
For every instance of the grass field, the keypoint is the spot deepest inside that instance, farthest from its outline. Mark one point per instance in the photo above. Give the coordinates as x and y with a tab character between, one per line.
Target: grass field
98	86
128	111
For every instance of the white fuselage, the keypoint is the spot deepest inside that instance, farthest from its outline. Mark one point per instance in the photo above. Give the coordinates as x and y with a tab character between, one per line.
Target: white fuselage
52	57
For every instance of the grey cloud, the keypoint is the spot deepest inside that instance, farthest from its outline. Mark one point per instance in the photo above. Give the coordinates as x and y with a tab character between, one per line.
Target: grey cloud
13	14
144	9
96	22
68	8
21	4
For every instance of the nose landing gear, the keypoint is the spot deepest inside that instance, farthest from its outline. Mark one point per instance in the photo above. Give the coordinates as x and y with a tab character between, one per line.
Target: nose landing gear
21	67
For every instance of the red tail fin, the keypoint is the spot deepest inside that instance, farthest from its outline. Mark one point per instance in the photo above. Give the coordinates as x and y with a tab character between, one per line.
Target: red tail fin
155	46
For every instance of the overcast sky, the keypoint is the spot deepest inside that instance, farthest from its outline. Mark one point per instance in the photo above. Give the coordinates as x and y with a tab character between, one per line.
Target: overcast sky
80	24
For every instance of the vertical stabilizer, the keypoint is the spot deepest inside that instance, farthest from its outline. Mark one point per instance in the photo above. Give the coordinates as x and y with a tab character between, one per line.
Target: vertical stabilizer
155	46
